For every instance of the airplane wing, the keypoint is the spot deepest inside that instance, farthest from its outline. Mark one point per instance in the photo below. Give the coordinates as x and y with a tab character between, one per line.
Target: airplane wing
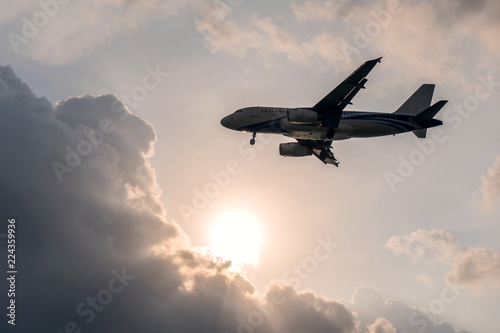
332	105
322	150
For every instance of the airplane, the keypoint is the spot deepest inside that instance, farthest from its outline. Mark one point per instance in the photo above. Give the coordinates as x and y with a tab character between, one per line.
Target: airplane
316	127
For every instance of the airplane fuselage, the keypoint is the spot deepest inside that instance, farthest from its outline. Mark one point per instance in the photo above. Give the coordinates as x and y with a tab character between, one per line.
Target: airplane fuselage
316	127
353	124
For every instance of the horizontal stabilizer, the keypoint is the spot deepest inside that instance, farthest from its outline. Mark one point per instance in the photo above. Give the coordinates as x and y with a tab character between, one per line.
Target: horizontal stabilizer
419	101
421	134
430	112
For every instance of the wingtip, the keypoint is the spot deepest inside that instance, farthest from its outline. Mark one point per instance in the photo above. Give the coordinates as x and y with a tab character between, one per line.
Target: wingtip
373	61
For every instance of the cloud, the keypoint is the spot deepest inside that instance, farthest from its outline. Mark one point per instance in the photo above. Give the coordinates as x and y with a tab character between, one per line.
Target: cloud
357	30
266	38
325	10
488	195
381	325
57	33
477	267
94	248
13	9
379	314
315	10
225	35
418	245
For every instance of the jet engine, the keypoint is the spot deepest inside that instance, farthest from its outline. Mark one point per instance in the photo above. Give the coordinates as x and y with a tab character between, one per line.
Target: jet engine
303	116
294	150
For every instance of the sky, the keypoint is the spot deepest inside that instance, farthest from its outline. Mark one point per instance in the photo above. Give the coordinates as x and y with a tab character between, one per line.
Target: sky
135	210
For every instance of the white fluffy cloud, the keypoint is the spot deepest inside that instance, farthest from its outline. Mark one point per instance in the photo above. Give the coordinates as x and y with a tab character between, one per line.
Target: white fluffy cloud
381	325
97	252
477	267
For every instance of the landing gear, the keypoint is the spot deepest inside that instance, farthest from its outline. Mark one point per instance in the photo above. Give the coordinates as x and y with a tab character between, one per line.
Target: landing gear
252	140
330	133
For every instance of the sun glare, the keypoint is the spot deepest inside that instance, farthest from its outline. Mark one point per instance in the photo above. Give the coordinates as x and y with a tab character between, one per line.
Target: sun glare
236	236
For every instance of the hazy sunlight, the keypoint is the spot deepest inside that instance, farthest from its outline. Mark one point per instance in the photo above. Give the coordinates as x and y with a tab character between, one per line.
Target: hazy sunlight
236	236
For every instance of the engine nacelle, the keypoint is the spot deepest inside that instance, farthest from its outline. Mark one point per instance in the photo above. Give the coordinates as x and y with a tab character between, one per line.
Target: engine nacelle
294	150
303	116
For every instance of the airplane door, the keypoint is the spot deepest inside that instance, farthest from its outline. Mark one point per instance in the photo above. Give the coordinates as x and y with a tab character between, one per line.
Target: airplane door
255	112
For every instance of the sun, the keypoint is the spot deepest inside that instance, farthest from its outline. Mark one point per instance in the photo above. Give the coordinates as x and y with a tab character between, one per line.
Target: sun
236	236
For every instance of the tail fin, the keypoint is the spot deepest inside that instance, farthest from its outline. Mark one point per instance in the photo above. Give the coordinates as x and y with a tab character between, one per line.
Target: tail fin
419	101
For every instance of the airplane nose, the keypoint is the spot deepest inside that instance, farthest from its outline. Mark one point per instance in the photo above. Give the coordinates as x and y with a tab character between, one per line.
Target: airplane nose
226	121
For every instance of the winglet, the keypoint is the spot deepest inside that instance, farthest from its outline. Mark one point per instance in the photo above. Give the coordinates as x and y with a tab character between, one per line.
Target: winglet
373	61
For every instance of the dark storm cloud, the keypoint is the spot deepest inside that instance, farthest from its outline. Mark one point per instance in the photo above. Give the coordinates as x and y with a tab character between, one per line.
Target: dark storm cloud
94	248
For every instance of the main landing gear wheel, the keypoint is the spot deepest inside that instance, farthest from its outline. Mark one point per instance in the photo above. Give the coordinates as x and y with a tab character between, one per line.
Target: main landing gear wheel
252	140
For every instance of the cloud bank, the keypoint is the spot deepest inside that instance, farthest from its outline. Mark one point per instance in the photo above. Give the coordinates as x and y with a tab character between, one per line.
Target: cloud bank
96	253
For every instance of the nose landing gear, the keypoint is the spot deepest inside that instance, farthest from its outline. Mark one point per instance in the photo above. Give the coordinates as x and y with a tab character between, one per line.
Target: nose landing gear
252	140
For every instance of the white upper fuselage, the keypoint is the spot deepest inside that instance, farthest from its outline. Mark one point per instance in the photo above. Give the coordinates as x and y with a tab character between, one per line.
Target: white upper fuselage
353	124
